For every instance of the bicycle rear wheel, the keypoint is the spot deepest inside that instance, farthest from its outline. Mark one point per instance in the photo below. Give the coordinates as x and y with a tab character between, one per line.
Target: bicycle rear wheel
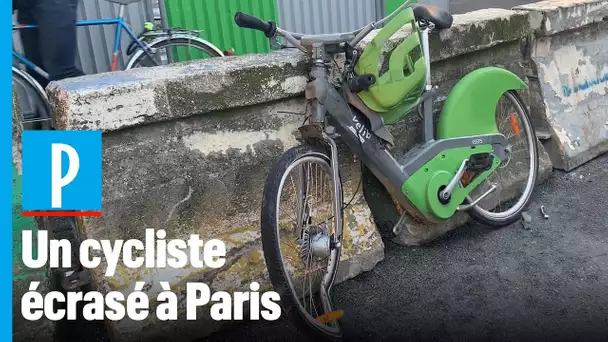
174	49
36	111
301	225
506	203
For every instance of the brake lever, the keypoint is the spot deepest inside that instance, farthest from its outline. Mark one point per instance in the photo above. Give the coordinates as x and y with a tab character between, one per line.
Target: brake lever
275	44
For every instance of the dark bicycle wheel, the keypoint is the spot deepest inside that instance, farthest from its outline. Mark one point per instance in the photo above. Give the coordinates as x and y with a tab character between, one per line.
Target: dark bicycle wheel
36	111
174	49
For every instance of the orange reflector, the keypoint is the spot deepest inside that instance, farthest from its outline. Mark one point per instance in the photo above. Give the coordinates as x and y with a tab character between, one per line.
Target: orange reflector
331	316
466	178
514	124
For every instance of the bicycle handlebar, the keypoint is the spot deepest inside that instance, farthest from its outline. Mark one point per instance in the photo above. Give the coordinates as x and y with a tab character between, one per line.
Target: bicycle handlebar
270	28
248	21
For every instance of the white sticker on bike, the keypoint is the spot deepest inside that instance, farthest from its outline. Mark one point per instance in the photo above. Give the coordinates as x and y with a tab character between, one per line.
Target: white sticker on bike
361	131
352	129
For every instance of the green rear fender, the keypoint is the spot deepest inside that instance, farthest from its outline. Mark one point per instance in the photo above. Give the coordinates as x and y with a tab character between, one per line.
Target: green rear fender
470	108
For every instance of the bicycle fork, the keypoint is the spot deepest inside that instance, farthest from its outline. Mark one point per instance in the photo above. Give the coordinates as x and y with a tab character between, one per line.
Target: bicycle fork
319	130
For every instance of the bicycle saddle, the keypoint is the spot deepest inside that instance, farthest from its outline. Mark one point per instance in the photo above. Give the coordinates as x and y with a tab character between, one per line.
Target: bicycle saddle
440	17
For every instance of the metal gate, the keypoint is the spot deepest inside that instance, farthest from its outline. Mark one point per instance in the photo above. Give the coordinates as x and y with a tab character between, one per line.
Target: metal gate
327	16
330	16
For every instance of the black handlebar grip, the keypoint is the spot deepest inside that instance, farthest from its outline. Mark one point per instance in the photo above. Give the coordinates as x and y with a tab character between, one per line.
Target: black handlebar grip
251	22
359	83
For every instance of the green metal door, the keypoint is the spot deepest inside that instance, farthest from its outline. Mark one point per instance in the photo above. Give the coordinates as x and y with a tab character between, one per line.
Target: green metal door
216	20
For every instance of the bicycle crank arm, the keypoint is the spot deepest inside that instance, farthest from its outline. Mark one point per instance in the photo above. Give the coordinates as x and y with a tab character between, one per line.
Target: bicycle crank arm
447	192
466	207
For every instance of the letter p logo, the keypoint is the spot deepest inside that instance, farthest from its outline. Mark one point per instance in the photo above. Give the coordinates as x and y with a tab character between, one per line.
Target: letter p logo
61	172
58	180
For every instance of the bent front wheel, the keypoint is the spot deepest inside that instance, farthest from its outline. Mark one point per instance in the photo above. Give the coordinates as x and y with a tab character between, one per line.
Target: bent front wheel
301	225
515	178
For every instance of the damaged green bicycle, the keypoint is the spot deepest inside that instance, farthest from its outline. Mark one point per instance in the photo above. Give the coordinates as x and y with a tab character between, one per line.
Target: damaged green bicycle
481	152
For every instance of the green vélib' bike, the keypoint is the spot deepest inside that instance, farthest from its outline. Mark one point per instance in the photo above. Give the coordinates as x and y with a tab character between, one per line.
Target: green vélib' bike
476	150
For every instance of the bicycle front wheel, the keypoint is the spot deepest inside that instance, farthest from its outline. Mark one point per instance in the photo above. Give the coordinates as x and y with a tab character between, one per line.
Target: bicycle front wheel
172	50
301	225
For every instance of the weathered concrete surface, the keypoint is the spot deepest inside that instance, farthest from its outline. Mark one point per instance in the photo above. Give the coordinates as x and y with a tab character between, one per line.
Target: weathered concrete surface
564	15
24	330
473	31
166	165
205	175
113	101
571	66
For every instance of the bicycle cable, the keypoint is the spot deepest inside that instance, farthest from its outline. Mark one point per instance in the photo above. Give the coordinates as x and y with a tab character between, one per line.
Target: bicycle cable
343	72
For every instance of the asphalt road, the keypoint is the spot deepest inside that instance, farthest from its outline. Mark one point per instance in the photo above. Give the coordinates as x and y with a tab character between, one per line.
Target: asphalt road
546	282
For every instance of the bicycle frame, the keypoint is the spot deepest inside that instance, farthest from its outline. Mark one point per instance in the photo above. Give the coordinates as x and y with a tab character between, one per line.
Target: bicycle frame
120	23
350	128
332	113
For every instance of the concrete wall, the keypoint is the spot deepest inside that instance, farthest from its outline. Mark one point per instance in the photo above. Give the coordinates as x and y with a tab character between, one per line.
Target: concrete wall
569	56
187	148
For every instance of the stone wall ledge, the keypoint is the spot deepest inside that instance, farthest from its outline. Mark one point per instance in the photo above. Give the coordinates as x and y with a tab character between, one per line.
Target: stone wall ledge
119	100
563	15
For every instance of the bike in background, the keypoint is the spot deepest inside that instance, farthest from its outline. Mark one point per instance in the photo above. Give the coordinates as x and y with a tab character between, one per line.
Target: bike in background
151	48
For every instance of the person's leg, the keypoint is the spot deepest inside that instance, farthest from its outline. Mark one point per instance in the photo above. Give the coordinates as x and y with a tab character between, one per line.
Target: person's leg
56	20
29	38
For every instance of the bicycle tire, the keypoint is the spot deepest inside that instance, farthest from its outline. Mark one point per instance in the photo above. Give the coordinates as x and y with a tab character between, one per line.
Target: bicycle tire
481	215
198	43
277	272
42	117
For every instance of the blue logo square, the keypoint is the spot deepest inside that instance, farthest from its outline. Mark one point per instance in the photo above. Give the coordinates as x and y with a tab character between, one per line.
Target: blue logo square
61	170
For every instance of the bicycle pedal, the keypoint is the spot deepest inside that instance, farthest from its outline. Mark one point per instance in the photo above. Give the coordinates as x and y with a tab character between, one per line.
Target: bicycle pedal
331	316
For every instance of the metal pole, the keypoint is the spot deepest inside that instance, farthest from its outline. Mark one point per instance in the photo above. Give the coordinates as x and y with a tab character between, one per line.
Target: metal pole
163	14
149	9
380	9
121	11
